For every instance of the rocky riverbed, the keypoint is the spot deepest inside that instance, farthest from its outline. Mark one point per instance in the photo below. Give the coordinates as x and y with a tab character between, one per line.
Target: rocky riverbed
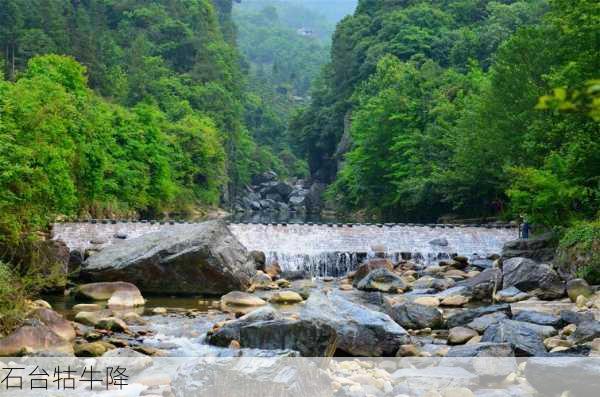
515	307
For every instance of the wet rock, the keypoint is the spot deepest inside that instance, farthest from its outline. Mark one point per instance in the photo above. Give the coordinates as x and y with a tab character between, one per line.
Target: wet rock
116	293
132	318
202	258
111	324
466	316
529	276
373	264
483	349
273	270
262	280
88	318
524	339
283	283
540	248
577	287
511	295
55	322
415	316
440	242
94	349
360	331
381	280
238	298
34	339
259	259
231	330
286	297
540	318
311	338
586	331
484	284
460	335
480	324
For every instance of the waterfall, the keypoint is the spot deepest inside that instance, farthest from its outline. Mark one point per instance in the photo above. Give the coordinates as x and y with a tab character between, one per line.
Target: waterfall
334	250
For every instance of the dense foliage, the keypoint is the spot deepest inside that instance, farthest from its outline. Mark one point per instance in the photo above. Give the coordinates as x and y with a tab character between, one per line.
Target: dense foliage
446	115
285	46
162	130
66	151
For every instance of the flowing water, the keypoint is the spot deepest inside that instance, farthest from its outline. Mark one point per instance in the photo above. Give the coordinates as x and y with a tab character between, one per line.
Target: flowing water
335	249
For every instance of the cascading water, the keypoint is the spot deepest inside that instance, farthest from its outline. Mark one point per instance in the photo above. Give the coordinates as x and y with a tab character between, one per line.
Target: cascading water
324	250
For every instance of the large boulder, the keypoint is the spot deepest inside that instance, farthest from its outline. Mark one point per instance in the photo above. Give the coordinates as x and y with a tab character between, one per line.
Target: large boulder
537	278
36	338
202	258
268	329
381	280
524	339
360	331
415	316
540	248
311	338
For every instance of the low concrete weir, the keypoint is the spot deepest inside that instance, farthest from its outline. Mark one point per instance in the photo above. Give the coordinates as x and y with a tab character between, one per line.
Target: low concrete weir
318	249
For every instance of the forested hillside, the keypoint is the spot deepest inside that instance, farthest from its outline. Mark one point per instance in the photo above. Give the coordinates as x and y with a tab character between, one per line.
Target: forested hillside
284	47
431	108
141	111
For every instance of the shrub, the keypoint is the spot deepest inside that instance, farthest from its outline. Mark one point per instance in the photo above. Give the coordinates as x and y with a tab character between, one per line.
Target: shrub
12	299
579	251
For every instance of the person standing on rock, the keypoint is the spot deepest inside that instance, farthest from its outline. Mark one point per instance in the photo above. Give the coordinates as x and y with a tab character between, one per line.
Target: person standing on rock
525	227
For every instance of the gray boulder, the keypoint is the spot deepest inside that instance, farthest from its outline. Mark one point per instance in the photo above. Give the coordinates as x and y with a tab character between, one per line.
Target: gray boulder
360	331
529	276
540	318
480	324
232	330
571	317
416	316
524	339
381	280
464	317
202	258
541	248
